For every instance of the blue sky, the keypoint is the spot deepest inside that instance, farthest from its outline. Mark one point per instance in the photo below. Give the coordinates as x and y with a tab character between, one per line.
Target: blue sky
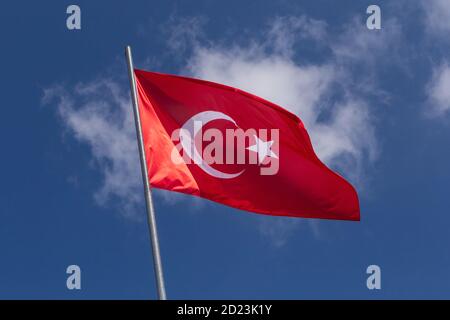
375	104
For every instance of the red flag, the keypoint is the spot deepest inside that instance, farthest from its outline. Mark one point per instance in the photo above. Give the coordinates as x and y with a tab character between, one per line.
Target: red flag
229	146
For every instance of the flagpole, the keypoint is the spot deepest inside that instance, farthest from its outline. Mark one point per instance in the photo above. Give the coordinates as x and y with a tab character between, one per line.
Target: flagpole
148	196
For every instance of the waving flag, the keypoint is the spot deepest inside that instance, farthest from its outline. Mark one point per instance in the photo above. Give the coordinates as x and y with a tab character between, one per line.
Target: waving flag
229	146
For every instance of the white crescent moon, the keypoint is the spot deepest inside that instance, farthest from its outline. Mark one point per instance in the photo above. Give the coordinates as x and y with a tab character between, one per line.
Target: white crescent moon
187	136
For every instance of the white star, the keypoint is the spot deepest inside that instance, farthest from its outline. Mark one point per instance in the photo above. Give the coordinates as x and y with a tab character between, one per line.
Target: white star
263	148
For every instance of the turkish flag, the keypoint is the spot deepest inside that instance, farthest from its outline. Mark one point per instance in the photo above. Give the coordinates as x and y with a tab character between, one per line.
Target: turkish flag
229	146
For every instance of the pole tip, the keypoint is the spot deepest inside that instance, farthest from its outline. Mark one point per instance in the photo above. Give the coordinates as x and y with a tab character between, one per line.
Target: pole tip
127	51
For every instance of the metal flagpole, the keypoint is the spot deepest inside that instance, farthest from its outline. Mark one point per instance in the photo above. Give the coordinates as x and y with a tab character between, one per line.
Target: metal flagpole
148	196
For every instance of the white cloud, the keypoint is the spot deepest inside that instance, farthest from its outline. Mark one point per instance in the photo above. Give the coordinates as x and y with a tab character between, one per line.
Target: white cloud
182	33
268	69
438	91
348	140
285	31
278	229
358	44
99	115
326	95
437	23
341	126
272	77
437	16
